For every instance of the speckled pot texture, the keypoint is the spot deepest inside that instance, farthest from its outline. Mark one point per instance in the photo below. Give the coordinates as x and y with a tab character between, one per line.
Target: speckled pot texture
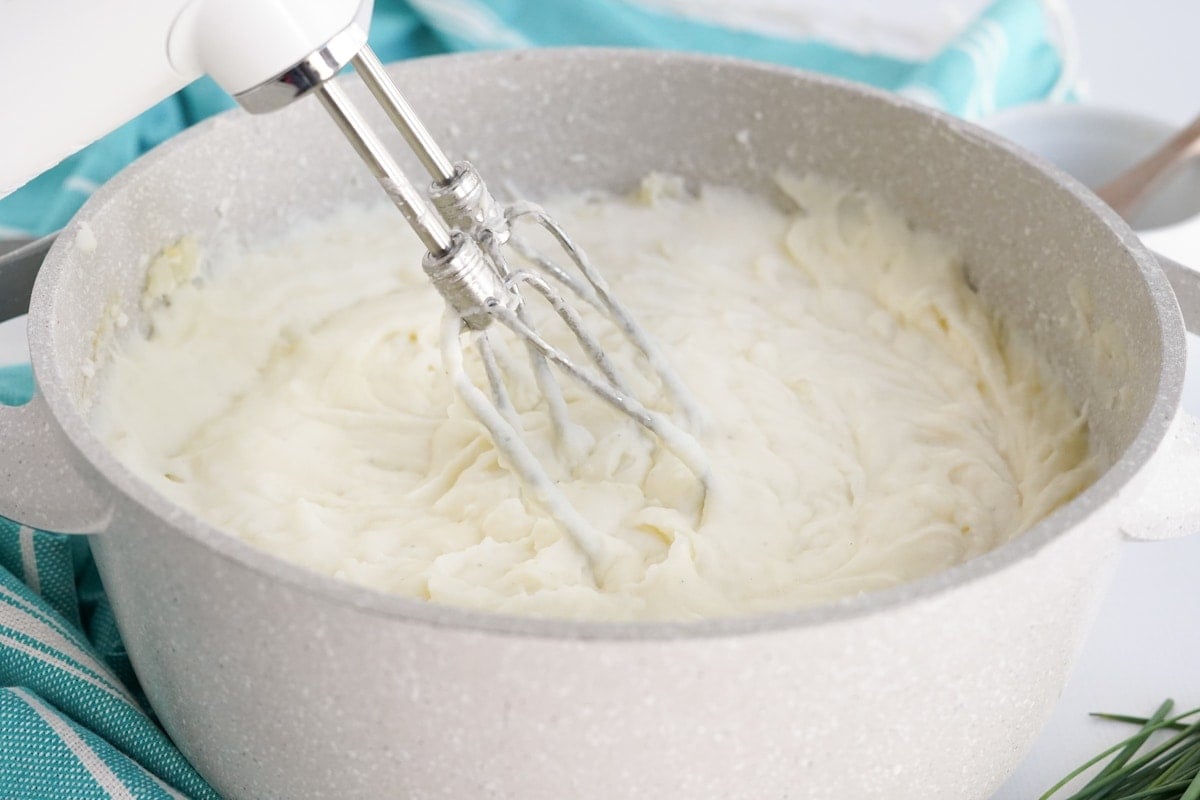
278	683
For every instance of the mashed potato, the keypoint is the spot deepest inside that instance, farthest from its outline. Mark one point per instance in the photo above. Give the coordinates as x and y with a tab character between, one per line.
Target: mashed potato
869	423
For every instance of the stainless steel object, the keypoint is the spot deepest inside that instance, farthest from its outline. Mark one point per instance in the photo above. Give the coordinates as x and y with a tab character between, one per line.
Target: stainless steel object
305	75
279	683
481	284
428	226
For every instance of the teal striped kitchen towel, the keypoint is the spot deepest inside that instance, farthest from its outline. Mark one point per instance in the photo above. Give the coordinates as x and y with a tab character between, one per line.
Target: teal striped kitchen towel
74	724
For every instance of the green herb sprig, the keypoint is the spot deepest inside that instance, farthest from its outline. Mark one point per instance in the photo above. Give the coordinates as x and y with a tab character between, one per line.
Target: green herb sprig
1167	770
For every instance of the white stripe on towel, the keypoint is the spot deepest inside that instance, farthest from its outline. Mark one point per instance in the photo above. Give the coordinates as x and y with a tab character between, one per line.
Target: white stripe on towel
10	643
987	47
469	20
29	566
21	619
80	184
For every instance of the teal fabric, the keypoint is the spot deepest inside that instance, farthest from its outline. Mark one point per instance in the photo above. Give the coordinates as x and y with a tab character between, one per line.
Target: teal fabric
16	385
74	724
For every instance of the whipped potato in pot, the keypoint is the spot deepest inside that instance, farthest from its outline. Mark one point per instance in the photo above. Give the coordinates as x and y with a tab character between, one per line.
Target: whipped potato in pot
868	421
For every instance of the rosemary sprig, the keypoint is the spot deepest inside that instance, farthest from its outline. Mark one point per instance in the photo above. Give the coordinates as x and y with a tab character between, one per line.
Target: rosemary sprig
1168	770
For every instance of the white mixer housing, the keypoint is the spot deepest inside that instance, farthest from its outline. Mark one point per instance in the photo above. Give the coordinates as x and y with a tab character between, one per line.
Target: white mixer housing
77	70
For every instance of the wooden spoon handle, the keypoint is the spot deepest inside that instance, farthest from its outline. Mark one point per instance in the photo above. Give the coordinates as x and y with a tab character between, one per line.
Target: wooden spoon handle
1125	191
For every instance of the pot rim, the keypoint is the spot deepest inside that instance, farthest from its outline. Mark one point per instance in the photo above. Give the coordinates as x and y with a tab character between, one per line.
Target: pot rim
53	385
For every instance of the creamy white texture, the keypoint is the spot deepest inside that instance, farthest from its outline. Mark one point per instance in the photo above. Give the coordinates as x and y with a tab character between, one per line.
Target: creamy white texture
869	423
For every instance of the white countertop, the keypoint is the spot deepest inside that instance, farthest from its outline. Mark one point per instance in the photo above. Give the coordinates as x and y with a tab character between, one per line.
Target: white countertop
1145	644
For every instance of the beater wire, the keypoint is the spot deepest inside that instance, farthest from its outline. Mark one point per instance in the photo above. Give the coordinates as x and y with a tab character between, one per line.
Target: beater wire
621	316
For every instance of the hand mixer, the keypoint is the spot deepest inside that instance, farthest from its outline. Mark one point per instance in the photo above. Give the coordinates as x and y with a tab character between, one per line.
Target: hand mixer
267	53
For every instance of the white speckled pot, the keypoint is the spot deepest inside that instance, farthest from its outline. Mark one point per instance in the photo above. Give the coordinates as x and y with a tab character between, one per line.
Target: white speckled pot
278	683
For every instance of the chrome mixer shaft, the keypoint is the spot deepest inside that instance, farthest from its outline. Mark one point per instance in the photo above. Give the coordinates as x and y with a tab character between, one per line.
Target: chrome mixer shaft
469	238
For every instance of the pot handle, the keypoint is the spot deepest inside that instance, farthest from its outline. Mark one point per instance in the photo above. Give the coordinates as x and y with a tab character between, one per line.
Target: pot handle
1169	506
18	270
39	484
1185	281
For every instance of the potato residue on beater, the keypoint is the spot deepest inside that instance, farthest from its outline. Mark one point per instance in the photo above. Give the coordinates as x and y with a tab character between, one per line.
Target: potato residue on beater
869	422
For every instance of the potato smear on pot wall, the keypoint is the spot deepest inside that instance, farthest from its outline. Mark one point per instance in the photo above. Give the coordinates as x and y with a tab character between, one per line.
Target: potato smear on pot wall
868	421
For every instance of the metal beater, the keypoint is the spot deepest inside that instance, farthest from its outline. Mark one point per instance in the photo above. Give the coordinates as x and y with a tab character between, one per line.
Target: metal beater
467	238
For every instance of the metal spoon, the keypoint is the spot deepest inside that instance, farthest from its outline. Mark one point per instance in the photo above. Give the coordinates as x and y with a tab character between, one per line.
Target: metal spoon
1125	192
